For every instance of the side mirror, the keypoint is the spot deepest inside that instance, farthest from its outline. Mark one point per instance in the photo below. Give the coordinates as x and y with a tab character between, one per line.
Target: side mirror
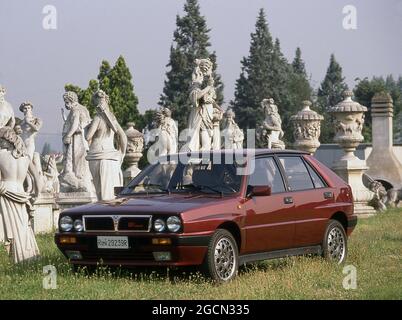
260	191
118	190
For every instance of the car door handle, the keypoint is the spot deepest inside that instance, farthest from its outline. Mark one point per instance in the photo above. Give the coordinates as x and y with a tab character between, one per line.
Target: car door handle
288	200
328	195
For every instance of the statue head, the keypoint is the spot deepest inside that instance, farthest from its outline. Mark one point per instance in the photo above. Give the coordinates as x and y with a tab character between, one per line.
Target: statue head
70	98
26	108
269	106
101	98
18	129
12	142
203	68
229	114
167	112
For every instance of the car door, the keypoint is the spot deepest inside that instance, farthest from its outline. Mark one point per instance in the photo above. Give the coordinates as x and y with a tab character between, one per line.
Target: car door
269	219
312	198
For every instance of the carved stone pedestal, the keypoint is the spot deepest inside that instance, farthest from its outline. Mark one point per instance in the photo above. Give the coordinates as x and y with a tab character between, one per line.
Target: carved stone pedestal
351	171
74	199
46	214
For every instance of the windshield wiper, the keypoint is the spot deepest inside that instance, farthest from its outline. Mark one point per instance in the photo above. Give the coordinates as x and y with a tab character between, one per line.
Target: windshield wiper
202	187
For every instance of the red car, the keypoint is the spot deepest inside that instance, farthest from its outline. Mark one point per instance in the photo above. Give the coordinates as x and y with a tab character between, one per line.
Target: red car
217	210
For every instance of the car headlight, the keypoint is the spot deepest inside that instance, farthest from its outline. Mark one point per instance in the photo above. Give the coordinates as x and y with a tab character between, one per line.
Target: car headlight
66	223
174	223
78	225
159	225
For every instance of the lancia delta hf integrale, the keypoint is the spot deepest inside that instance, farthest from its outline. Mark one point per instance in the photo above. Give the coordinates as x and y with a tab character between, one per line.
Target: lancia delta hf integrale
216	210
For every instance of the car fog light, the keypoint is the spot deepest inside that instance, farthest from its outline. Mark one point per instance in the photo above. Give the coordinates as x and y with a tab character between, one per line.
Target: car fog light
67	240
159	225
78	225
66	223
173	223
162	256
74	255
163	241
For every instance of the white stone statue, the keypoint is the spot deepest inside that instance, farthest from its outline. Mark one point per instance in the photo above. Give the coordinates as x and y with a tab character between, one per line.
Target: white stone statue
232	135
167	132
271	129
6	110
15	206
104	160
30	126
76	176
200	124
51	174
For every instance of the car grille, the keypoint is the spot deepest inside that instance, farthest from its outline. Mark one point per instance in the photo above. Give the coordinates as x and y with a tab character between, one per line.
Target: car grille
112	223
115	255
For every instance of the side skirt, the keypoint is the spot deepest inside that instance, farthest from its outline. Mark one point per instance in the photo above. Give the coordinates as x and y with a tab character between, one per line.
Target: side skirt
279	254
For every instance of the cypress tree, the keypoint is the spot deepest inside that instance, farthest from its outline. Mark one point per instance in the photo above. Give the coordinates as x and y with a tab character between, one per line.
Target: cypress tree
329	94
190	42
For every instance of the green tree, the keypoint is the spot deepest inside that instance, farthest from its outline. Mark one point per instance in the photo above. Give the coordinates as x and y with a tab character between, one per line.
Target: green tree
117	83
191	41
329	94
256	81
47	149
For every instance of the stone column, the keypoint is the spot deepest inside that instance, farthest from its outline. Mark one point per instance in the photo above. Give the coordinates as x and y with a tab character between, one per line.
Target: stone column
306	129
348	123
384	165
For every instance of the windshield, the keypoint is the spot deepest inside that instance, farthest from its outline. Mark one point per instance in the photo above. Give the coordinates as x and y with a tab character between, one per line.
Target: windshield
196	175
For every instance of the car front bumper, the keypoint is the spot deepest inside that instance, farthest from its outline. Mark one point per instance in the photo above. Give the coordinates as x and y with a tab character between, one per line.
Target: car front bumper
185	250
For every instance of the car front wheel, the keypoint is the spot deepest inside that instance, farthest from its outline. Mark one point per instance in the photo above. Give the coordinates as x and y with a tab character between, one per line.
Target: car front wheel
335	242
222	259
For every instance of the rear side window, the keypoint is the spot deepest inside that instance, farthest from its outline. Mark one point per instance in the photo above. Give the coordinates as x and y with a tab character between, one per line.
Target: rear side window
296	173
317	180
266	173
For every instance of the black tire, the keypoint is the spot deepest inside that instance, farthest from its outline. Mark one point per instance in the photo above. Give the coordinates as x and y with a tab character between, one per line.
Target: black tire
223	268
335	242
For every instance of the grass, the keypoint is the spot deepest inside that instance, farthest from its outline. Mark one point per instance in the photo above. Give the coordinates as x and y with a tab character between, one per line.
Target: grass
375	249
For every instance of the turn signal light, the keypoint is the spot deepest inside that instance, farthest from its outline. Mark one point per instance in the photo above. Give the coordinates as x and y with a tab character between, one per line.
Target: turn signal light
68	240
161	241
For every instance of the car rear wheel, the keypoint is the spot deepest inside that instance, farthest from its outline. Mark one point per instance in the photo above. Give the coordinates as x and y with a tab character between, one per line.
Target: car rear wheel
335	242
222	260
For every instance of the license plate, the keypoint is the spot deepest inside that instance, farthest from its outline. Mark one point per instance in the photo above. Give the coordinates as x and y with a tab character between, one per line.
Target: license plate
112	242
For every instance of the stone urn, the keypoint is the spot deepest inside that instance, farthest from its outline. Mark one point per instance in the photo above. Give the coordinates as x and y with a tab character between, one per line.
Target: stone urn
135	146
306	129
348	123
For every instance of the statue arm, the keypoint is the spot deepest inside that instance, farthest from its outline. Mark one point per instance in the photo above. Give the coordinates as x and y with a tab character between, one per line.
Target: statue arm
36	124
122	140
74	125
92	129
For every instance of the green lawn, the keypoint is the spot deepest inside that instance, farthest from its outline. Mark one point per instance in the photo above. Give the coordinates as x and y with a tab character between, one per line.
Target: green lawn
375	249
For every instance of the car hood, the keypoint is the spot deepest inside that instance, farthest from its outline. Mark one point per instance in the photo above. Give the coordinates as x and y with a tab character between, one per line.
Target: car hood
174	203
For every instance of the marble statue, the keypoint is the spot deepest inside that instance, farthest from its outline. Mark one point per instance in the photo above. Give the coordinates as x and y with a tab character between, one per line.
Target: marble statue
271	130
76	176
30	126
232	135
104	160
51	174
201	119
135	146
15	204
167	132
380	195
6	110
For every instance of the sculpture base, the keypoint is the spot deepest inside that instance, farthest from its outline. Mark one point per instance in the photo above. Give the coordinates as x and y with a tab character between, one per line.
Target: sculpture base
351	171
46	214
74	199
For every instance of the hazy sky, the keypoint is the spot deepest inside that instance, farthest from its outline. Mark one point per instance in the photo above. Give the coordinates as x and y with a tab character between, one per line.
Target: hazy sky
36	63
